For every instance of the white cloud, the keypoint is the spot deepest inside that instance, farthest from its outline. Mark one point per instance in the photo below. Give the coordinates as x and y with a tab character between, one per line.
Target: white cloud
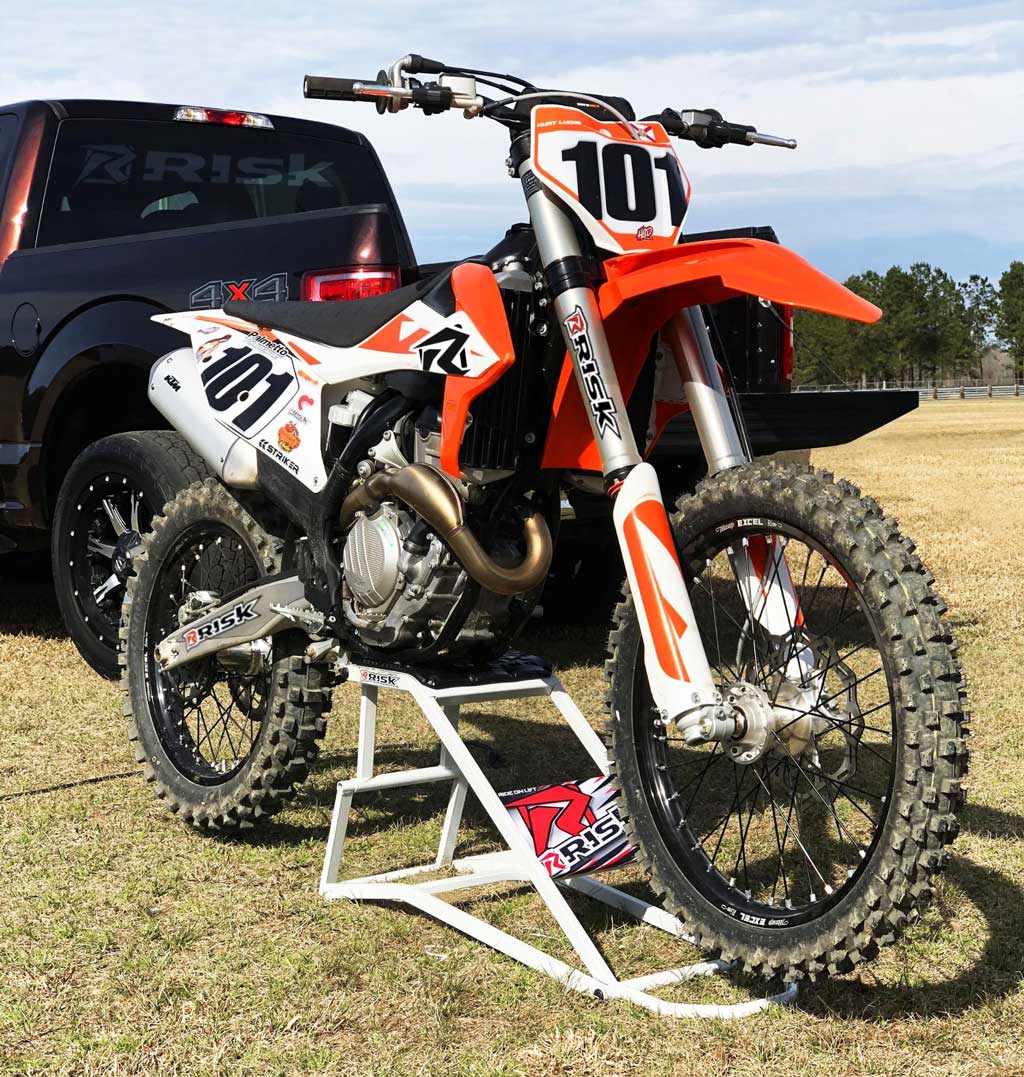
907	112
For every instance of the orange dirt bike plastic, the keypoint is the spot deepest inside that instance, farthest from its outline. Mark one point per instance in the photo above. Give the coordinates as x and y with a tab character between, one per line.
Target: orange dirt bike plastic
643	291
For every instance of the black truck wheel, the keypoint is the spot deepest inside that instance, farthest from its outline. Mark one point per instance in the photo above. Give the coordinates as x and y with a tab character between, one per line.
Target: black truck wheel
801	858
107	502
223	741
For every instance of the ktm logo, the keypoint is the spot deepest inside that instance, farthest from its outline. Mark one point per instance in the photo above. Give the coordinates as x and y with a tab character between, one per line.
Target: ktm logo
445	350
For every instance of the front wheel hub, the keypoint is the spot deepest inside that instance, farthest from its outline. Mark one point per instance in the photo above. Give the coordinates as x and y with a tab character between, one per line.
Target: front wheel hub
754	718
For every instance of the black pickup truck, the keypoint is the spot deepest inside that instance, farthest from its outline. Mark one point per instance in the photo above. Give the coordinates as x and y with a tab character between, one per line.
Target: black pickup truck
113	212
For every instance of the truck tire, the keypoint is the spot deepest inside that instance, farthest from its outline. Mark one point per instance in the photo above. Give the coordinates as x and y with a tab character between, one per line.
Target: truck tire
107	501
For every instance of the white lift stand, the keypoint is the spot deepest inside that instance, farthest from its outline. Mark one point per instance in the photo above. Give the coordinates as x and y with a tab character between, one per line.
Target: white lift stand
517	863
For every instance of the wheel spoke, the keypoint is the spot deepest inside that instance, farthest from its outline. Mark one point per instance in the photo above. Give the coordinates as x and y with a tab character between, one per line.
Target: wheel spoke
790	834
114	516
111	583
101	549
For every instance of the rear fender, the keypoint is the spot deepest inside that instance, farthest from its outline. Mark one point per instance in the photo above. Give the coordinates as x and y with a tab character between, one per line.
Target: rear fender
643	291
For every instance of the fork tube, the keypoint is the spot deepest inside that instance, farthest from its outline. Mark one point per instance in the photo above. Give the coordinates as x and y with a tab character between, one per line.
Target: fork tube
677	667
580	320
687	337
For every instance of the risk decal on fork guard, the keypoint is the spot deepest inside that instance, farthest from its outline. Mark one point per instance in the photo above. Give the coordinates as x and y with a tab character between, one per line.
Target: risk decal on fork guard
601	404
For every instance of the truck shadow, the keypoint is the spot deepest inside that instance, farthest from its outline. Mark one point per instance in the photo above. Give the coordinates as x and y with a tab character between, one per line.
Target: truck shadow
28	605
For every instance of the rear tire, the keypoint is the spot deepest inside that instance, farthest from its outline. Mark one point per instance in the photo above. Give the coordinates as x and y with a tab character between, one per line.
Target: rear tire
272	717
134	474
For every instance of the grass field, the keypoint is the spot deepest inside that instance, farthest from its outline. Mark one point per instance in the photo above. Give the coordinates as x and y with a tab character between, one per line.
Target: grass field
129	944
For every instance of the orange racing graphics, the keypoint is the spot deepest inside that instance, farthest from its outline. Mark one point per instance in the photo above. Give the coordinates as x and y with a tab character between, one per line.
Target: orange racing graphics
674	655
478	296
644	290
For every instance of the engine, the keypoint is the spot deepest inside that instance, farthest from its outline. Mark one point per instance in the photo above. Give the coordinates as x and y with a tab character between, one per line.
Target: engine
398	587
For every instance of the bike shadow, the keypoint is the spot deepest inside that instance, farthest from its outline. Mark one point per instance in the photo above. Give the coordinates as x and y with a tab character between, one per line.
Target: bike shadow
518	752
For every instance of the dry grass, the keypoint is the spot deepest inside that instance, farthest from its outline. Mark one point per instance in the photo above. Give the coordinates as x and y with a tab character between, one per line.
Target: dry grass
129	944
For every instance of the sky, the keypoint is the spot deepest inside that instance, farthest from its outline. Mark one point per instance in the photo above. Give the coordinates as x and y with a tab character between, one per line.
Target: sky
909	113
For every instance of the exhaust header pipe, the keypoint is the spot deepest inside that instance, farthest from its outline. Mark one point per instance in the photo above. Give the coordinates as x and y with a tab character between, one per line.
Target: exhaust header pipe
433	496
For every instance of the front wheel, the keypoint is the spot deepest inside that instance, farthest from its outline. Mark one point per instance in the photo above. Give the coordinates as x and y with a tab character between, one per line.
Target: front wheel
801	852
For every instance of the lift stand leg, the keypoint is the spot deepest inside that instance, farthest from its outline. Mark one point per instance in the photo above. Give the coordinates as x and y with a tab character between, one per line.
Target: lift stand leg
514	677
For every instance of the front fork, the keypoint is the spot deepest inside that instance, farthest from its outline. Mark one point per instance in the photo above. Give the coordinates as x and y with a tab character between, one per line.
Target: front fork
676	663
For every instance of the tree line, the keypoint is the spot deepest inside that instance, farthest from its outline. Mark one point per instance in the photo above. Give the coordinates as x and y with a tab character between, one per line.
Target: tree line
934	328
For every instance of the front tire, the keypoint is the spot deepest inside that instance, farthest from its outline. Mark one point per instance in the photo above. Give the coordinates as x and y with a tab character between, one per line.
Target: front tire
870	797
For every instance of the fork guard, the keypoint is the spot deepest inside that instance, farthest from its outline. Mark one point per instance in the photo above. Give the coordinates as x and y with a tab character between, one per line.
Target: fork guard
643	291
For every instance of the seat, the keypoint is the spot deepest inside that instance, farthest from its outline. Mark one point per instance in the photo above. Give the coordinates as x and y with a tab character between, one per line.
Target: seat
343	325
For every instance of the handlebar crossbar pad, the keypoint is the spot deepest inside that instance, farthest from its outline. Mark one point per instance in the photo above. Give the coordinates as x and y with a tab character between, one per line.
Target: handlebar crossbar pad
331	89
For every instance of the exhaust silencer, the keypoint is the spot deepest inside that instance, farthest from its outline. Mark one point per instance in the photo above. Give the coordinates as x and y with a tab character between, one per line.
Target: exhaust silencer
433	496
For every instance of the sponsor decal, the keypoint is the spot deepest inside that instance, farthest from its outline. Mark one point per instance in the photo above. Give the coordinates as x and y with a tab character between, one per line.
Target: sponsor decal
757	921
244	611
274	452
645	231
173	382
298	417
305	402
531	185
215	293
288	437
106	164
445	350
273	347
307	377
206	350
384	680
123	164
573	827
601	405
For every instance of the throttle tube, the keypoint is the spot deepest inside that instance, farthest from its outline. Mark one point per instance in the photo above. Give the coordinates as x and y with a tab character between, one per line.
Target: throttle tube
324	88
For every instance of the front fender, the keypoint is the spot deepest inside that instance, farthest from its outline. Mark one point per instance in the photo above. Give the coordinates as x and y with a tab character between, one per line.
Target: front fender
718	269
643	291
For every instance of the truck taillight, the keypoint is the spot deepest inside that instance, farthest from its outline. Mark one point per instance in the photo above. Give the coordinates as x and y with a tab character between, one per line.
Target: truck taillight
786	352
348	283
197	114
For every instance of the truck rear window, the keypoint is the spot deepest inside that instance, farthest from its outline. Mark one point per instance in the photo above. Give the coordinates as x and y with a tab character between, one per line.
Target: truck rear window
123	178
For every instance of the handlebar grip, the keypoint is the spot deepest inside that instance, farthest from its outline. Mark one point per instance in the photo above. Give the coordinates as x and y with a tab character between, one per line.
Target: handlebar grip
420	65
331	89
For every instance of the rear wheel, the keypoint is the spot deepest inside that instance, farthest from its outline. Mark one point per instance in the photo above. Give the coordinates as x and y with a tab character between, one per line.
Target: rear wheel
224	740
107	501
800	854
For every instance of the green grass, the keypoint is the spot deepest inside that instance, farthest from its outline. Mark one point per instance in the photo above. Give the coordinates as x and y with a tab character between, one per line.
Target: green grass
129	944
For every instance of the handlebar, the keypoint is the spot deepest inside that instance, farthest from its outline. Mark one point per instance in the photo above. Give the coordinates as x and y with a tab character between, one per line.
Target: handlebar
332	89
709	130
432	97
395	89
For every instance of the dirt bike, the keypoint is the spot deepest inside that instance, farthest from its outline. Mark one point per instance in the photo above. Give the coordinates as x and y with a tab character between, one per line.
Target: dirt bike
785	703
